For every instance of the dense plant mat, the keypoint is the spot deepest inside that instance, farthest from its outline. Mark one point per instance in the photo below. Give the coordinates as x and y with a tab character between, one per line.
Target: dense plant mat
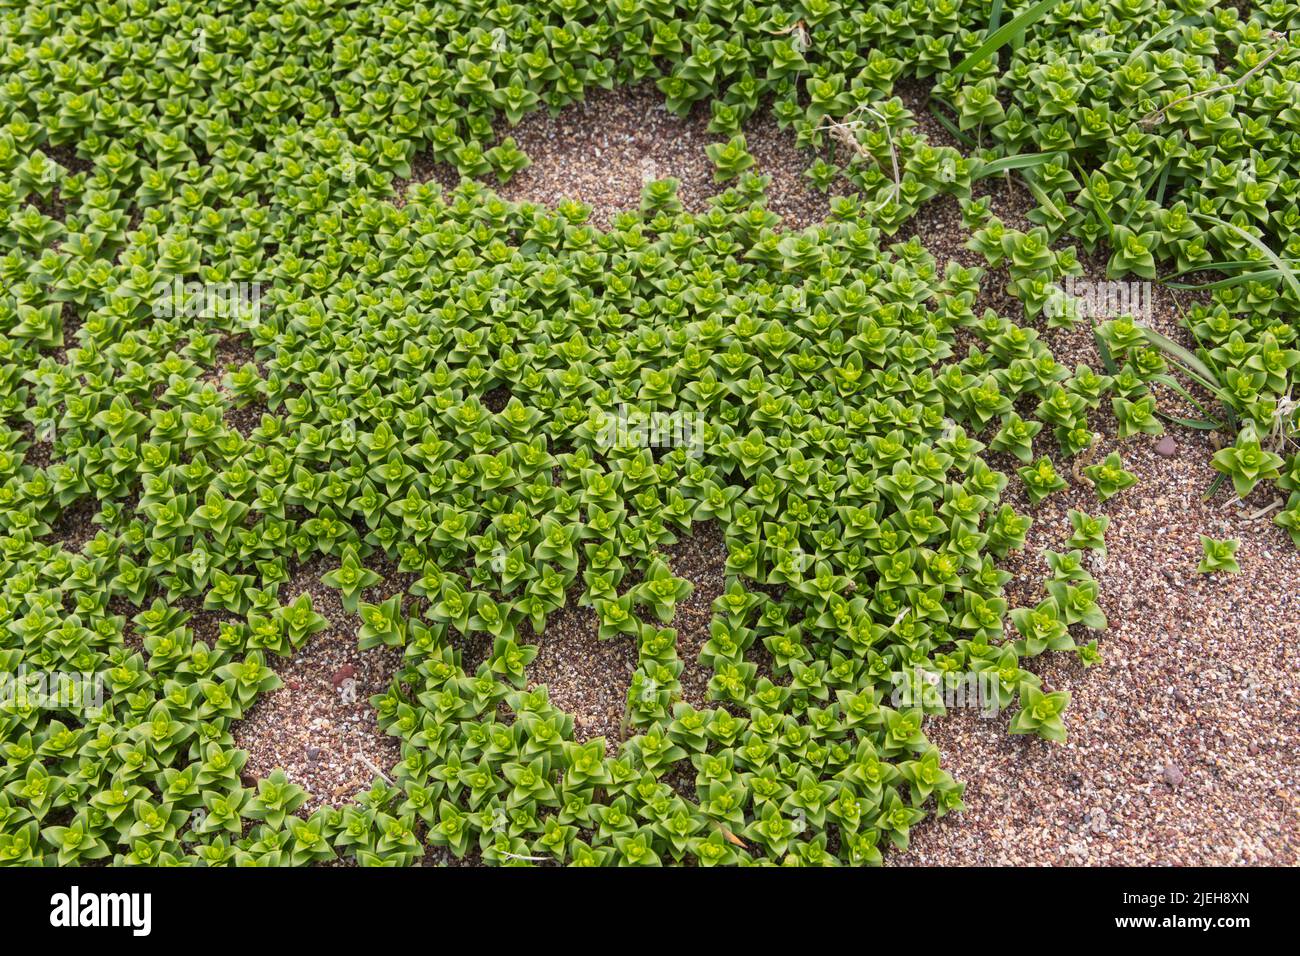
228	352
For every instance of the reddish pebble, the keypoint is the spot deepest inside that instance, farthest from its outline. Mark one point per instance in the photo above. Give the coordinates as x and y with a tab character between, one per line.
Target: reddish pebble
1173	776
1166	448
343	673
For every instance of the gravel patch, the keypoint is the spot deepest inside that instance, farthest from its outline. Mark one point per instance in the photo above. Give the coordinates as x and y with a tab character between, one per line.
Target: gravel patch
319	727
585	677
700	557
604	150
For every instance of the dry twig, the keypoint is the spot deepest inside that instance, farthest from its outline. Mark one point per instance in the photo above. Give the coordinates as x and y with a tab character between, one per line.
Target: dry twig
1158	116
365	760
1262	512
800	30
1088	455
845	132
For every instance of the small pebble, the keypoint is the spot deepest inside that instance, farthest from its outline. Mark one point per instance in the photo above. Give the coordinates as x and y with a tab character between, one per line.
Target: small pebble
1172	775
1166	447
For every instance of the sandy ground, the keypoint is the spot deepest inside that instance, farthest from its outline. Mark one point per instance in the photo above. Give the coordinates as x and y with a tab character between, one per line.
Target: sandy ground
604	150
589	678
319	727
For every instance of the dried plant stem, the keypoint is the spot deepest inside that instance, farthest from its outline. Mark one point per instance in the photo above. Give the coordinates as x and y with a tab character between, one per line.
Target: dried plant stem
1160	115
1278	436
348	785
366	760
731	837
1088	455
1267	509
800	31
845	132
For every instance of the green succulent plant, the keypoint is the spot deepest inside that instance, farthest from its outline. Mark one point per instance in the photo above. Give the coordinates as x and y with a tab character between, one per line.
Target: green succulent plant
1089	530
1041	480
1218	555
1109	477
730	159
1040	713
1246	463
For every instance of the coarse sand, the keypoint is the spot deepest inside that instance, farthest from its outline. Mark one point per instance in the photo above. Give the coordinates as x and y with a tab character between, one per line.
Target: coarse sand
1183	742
604	150
319	727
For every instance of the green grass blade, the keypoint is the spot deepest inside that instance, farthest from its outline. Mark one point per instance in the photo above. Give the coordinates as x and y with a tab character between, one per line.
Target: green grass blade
1184	355
1018	161
1215	486
1278	264
1197	423
948	124
1167	31
1177	387
1107	360
995	18
1003	35
1164	182
1223	265
1044	200
1262	275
